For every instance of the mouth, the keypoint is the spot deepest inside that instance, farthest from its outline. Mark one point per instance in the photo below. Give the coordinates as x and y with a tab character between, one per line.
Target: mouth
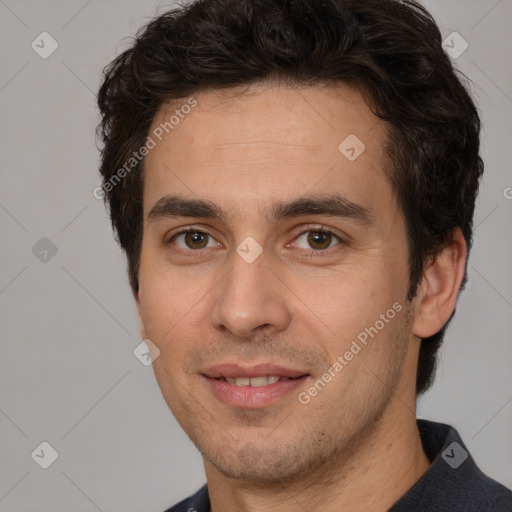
252	387
256	382
259	371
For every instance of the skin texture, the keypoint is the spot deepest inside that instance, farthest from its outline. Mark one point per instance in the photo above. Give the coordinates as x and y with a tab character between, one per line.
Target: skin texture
299	304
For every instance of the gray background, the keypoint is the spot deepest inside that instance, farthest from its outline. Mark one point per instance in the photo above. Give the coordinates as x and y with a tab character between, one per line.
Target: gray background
68	326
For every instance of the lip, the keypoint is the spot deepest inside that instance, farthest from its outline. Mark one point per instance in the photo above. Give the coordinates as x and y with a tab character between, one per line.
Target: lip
252	397
237	370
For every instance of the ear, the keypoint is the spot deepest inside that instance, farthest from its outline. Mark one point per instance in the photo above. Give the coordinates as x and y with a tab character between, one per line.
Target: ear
439	288
136	296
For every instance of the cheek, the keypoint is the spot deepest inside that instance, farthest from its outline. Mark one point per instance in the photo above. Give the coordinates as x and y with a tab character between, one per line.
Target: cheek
160	303
347	301
174	311
159	289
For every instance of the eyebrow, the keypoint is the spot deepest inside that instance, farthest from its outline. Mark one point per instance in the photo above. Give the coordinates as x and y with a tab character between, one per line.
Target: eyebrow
334	205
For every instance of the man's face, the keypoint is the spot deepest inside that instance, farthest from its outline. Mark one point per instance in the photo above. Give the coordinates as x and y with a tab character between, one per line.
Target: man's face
273	281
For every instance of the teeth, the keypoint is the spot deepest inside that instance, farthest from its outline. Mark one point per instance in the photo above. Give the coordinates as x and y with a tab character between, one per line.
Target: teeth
254	381
259	381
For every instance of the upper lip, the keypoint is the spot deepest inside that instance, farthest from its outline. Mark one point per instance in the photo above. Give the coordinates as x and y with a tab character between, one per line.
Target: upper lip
232	370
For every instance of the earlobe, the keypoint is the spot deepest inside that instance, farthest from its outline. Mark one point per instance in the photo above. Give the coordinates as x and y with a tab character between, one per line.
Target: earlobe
439	289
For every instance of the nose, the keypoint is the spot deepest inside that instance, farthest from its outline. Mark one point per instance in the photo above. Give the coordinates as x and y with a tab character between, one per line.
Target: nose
250	298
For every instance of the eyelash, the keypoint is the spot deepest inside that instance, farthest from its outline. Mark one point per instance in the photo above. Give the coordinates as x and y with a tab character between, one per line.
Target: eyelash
309	229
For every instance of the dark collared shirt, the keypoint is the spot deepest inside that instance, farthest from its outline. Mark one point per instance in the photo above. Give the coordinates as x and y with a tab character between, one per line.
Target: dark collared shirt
453	483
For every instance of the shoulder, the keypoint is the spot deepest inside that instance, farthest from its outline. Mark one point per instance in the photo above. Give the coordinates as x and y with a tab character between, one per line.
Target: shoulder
198	502
453	482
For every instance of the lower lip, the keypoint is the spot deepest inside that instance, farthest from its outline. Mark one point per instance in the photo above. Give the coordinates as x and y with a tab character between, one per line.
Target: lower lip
253	397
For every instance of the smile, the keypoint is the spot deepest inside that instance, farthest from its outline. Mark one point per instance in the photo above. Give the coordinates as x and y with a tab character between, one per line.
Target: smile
255	382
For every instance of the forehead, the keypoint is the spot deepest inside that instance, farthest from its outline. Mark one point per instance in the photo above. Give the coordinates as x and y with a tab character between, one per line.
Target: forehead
243	146
287	115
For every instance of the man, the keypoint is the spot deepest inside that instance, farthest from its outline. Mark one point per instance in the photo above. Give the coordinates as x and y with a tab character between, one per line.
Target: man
294	184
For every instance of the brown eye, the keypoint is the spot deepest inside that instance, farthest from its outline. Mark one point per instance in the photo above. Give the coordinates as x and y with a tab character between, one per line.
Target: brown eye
196	240
193	239
318	240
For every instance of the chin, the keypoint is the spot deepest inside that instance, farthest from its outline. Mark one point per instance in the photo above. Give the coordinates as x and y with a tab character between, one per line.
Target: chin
269	464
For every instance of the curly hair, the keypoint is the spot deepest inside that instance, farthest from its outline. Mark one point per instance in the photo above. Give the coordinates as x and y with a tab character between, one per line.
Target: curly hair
391	50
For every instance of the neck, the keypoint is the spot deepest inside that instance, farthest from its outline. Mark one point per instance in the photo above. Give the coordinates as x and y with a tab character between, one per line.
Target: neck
378	468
